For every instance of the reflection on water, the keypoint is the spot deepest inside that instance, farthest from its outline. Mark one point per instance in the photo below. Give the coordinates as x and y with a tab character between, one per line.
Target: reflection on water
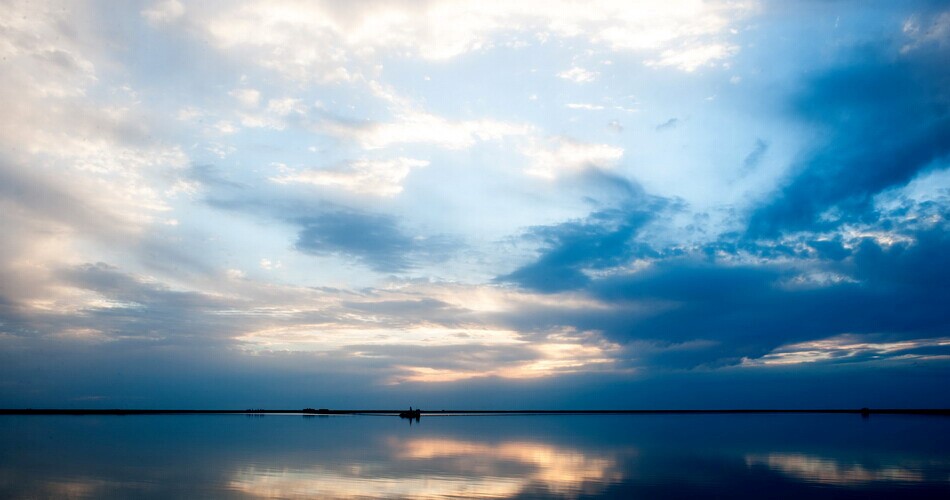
78	488
323	483
560	470
830	471
611	456
443	468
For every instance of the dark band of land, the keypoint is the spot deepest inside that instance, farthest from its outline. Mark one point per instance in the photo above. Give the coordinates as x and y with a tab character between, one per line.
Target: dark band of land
323	411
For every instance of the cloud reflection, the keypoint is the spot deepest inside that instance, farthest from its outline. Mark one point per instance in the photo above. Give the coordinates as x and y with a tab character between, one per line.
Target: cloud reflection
816	469
436	467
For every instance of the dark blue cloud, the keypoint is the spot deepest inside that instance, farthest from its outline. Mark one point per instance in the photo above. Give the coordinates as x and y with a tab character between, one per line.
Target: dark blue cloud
754	158
211	176
143	311
376	240
884	117
899	290
700	311
829	249
604	239
668	124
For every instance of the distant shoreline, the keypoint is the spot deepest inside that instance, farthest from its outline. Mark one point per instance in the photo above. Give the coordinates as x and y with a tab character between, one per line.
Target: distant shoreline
310	411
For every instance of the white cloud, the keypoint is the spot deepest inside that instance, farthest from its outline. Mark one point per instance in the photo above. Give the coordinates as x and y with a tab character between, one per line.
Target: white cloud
330	42
689	59
271	265
189	113
578	75
845	348
40	55
248	98
83	168
225	127
276	115
560	155
373	177
166	11
419	127
584	106
923	32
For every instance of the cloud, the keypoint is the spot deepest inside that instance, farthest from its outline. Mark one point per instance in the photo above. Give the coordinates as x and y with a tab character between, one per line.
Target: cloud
562	155
248	98
373	177
578	75
874	137
584	105
413	332
755	309
754	158
558	354
419	127
850	348
932	29
166	11
375	240
735	299
668	124
86	168
689	59
602	241
101	304
103	154
326	42
381	242
119	256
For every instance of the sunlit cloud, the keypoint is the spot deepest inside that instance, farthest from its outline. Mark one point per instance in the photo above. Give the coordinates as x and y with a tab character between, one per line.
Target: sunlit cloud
322	42
416	127
690	59
374	177
248	98
305	337
585	106
559	156
545	356
578	75
164	11
846	348
499	299
922	31
471	192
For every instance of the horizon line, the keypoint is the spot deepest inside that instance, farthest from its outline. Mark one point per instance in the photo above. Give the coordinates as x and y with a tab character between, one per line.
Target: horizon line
326	411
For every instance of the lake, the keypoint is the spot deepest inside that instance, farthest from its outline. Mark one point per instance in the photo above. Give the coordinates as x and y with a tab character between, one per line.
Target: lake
508	456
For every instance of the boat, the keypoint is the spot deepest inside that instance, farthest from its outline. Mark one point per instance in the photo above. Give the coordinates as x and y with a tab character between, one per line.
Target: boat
411	413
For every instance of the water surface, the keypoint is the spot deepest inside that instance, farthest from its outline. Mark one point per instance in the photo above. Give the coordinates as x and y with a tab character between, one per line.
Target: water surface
511	456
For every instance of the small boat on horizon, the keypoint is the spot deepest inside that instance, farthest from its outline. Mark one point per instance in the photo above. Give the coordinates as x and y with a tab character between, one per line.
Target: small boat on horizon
411	413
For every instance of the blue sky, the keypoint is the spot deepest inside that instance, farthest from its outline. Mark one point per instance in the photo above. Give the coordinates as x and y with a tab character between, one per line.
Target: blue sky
474	204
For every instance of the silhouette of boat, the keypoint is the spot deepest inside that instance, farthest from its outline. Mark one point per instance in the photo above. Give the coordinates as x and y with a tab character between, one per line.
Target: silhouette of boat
321	411
411	414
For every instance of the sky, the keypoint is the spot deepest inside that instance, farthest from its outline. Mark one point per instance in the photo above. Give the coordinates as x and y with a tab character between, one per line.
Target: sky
474	204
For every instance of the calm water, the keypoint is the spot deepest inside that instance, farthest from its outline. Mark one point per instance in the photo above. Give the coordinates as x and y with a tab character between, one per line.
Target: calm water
618	456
